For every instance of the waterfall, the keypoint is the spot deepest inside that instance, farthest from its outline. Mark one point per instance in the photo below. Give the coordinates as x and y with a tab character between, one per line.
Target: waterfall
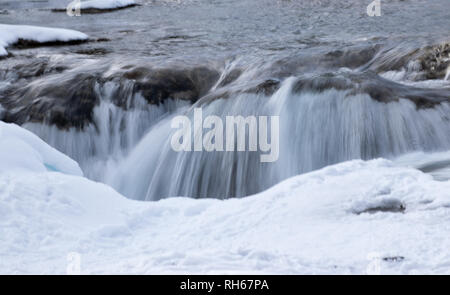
316	129
113	133
118	127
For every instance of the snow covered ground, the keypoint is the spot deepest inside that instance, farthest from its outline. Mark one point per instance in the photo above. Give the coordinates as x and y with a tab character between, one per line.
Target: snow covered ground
354	217
10	34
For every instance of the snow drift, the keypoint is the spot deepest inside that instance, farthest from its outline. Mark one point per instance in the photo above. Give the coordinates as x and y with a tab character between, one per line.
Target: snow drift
341	219
11	34
24	151
106	4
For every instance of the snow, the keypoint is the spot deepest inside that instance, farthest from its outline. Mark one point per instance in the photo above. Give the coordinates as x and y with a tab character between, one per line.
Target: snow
21	150
106	4
354	217
10	34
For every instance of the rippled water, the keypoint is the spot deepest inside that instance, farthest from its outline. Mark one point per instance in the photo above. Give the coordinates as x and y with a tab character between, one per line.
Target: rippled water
203	29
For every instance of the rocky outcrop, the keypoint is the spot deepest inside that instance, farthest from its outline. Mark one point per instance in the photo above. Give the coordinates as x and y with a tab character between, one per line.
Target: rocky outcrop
68	99
435	61
376	87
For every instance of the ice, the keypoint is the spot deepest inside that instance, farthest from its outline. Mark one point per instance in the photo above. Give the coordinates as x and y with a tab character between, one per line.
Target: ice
10	34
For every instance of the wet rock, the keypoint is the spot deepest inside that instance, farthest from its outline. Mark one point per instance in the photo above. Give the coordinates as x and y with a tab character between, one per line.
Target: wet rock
376	87
186	84
319	62
93	51
268	87
352	58
68	100
102	40
28	69
24	43
435	61
66	104
322	82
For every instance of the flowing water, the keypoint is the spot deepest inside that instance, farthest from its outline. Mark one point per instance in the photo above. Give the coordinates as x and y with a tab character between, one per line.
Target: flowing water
344	85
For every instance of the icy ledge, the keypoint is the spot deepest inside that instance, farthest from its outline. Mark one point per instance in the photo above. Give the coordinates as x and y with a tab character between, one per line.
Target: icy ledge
13	34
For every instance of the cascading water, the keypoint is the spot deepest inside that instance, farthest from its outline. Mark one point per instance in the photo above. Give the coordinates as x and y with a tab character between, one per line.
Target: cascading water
112	134
118	123
316	129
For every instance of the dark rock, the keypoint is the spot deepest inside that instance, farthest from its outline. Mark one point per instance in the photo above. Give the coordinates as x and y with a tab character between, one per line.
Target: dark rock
68	100
23	43
36	69
393	258
159	85
376	87
385	205
102	40
267	87
435	61
66	104
93	51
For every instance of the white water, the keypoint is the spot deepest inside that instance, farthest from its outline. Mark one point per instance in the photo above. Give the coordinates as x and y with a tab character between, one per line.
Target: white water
131	151
113	134
316	130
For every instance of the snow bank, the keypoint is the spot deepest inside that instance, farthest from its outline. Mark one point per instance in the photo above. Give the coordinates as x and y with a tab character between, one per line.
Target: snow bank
93	6
23	151
353	217
106	4
10	34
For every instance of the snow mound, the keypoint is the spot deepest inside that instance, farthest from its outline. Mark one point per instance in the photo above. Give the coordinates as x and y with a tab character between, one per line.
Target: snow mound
321	222
11	34
22	150
94	6
106	4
